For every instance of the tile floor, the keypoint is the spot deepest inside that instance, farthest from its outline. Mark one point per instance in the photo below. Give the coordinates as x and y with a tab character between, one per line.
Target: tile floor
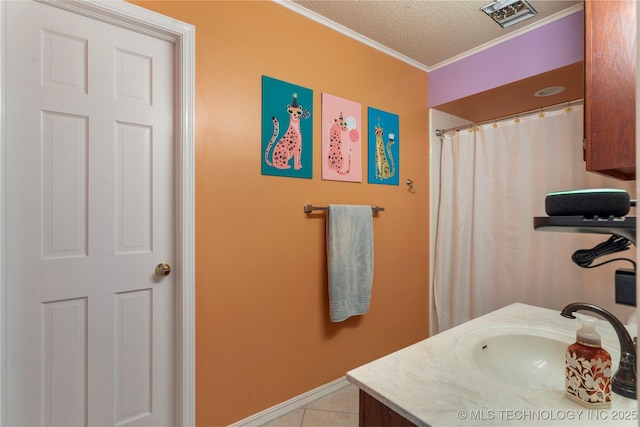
338	409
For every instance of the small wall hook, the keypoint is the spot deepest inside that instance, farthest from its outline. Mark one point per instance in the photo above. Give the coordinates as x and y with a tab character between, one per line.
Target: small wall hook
410	185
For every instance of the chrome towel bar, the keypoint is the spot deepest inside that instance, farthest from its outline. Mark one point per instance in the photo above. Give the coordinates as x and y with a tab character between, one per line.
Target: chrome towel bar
311	208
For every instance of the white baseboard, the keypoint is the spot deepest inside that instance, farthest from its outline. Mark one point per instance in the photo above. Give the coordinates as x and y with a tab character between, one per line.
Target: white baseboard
290	405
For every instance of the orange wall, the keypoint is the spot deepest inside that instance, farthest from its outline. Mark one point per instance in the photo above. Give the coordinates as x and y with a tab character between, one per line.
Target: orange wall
263	334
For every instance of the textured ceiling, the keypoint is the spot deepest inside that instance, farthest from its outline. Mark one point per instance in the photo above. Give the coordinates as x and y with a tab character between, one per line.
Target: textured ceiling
429	32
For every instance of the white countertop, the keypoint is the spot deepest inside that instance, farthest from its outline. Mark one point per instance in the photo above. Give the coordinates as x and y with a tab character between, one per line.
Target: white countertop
431	385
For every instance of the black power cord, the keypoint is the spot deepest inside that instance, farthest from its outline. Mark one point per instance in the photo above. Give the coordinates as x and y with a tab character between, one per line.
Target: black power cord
584	257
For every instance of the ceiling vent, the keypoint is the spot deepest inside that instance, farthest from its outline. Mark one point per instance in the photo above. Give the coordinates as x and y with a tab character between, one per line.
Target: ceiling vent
509	12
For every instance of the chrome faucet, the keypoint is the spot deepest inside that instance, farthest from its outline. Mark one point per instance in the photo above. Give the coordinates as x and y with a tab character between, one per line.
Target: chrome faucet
624	380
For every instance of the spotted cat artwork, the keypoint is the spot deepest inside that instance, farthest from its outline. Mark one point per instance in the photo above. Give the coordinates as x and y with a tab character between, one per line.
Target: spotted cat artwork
287	132
336	160
341	145
290	145
385	166
384	147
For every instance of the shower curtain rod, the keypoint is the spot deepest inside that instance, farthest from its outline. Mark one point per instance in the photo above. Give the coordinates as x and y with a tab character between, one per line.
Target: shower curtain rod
441	132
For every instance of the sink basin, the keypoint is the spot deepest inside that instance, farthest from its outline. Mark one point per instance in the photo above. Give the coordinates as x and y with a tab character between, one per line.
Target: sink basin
521	355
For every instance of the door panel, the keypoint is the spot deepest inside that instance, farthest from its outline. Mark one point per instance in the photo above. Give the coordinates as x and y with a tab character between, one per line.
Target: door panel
64	388
133	185
90	334
64	140
133	355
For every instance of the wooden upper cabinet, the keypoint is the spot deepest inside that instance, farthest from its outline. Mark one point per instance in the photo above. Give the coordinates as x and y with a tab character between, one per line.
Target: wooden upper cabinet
610	87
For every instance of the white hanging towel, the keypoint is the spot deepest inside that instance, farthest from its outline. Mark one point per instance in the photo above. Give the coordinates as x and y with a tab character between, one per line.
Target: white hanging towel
349	260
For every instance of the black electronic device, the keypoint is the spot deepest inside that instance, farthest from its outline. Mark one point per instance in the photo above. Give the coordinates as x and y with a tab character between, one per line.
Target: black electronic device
590	203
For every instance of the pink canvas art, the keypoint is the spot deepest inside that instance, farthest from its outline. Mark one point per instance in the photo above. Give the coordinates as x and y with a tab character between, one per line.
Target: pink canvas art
341	139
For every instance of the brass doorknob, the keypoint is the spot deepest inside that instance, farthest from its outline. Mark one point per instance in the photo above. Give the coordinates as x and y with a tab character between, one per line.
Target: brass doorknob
163	269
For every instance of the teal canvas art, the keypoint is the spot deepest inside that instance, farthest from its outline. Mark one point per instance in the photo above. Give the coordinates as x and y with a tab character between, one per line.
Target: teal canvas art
384	147
287	132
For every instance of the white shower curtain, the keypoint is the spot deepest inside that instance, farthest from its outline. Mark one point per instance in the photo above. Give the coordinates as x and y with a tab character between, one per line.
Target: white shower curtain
494	179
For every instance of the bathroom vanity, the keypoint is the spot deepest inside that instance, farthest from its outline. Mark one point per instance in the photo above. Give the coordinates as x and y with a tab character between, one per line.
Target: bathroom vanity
503	368
375	413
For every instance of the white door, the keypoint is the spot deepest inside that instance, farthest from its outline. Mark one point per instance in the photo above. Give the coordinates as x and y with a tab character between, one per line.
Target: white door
89	216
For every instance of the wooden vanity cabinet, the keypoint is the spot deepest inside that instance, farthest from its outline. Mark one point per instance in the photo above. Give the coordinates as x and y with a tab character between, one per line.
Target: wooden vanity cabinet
375	413
610	87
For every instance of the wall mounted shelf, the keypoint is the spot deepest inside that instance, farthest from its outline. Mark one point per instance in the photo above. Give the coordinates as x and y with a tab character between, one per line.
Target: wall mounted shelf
625	227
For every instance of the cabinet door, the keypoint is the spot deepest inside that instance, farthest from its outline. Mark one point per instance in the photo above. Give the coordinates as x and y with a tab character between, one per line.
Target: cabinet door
375	413
610	87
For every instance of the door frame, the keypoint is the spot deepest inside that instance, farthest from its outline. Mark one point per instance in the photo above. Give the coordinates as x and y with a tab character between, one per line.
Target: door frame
182	36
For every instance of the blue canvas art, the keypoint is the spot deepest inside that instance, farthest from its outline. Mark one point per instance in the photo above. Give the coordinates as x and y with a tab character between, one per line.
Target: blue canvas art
384	147
287	144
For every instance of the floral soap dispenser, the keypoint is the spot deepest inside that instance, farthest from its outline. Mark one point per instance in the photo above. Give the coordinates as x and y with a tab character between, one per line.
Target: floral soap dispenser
588	368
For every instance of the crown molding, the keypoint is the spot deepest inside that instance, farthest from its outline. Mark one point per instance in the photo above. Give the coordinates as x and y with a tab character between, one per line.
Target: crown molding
349	33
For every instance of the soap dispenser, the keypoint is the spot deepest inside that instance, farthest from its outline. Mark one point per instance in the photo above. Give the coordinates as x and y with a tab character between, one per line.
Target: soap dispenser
588	368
